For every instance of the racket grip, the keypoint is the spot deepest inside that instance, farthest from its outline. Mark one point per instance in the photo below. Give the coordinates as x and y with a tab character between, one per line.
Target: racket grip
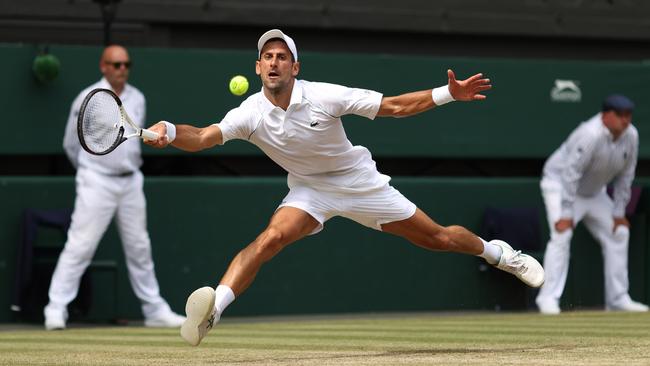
148	135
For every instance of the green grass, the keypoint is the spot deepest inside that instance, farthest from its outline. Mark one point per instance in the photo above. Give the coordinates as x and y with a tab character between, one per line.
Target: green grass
573	338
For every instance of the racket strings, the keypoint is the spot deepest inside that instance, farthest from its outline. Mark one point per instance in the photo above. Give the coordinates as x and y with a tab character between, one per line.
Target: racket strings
101	122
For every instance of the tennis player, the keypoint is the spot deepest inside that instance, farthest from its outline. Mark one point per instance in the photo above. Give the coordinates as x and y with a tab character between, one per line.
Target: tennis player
298	124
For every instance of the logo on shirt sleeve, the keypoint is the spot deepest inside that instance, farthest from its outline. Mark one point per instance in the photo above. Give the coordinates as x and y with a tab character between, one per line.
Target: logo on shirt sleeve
314	124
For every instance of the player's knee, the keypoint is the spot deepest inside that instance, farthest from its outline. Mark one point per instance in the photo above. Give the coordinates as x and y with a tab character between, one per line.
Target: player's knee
270	242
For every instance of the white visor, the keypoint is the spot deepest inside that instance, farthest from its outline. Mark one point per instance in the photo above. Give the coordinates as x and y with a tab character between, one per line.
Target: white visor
276	33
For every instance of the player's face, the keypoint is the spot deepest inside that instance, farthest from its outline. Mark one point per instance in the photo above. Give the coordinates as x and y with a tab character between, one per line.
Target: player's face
115	65
276	67
617	122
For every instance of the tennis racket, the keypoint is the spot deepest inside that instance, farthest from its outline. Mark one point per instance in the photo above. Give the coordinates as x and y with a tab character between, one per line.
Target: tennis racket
103	124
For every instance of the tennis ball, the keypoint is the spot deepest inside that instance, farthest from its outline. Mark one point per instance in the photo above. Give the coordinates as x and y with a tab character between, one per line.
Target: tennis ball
238	85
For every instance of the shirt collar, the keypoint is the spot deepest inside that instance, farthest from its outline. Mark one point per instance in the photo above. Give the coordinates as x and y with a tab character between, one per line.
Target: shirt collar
296	93
296	97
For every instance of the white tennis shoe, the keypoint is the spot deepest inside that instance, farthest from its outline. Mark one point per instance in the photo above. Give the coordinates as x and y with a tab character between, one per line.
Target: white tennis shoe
55	317
201	315
627	304
54	322
167	319
548	306
525	267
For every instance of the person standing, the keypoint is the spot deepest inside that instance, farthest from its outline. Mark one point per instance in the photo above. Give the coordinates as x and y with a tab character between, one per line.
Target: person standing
598	152
108	186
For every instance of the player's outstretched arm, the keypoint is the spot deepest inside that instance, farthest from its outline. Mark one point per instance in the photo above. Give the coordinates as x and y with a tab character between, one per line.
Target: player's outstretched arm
417	102
186	137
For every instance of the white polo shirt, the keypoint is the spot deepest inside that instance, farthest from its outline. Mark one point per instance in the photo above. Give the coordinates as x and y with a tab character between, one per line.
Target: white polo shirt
590	159
308	139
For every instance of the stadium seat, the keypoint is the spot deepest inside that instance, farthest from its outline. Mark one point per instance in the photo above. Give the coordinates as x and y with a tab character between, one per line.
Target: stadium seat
44	233
520	227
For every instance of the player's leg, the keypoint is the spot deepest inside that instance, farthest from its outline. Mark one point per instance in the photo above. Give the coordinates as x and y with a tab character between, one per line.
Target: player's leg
386	209
287	225
557	253
132	226
420	230
599	220
94	207
205	305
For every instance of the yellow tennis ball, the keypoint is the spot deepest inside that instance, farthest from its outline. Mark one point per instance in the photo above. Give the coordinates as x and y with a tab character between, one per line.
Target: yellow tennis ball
238	85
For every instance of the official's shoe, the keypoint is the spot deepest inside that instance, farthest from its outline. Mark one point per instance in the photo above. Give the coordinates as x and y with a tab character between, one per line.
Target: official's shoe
54	319
525	267
168	319
54	323
201	315
547	307
628	305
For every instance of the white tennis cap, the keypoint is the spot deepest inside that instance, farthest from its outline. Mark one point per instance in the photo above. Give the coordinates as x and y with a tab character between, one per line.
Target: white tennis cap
276	33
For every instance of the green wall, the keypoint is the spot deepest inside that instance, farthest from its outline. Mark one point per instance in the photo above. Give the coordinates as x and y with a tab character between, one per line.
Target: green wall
517	120
198	224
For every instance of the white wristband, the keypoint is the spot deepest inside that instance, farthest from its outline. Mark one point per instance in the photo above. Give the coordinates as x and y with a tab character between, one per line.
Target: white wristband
441	95
171	131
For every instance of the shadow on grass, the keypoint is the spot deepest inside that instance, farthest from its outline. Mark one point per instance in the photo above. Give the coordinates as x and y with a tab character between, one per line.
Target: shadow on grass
398	353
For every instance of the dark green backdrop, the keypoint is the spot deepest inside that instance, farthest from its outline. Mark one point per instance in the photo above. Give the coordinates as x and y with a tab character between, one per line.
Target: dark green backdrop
518	119
198	224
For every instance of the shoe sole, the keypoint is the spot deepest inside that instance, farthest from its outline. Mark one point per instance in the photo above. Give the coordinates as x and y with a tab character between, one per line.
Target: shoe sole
636	310
56	327
198	309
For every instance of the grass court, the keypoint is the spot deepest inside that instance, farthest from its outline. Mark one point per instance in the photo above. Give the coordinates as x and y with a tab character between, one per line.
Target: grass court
572	338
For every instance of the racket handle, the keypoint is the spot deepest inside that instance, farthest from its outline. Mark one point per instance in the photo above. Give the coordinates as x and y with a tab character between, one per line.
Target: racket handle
148	135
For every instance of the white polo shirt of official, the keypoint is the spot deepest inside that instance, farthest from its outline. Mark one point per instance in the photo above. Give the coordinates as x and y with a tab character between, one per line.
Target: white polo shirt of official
308	139
590	159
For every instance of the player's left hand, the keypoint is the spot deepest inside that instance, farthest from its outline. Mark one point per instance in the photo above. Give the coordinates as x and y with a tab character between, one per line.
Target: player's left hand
468	89
162	140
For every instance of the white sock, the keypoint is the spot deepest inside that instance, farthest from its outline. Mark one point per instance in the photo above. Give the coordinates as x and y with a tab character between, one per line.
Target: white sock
223	297
491	252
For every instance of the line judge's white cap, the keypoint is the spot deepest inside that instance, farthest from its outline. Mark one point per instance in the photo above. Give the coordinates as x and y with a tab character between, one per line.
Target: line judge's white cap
276	33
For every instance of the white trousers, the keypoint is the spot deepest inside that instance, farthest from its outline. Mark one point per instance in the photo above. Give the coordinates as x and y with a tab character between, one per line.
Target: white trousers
597	214
99	199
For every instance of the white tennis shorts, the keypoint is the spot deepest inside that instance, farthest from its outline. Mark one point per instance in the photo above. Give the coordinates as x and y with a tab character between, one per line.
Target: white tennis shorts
372	209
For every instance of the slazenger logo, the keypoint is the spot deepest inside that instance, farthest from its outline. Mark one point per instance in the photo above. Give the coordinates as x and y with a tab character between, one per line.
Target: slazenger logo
566	91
